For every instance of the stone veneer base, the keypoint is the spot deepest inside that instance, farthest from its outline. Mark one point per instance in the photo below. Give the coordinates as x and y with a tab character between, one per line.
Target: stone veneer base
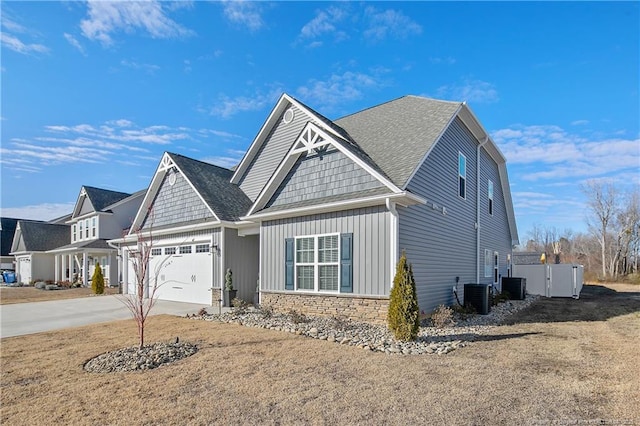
366	309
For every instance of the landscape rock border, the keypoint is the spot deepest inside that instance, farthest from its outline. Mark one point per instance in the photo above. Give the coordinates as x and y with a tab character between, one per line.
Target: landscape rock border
430	340
135	359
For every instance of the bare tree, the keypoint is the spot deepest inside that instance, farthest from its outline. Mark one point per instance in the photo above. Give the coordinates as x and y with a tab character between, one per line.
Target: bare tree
601	201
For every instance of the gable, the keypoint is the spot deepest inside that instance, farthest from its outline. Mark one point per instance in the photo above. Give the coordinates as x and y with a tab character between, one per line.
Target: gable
18	242
175	202
85	206
322	176
272	151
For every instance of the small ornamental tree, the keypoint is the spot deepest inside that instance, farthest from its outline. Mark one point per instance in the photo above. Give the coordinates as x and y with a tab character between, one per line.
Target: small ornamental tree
97	280
404	316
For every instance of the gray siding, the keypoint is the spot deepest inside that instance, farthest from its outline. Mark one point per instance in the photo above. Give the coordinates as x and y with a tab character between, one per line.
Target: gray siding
371	246
323	175
273	150
242	257
86	207
177	203
494	230
441	246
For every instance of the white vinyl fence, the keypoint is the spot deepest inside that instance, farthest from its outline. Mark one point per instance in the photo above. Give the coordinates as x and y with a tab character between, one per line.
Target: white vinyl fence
552	280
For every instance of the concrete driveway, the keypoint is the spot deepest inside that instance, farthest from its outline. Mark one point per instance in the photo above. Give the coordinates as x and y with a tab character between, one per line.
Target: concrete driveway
27	318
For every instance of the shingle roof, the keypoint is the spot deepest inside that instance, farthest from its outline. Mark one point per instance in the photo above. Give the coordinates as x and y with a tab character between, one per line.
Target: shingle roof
397	134
7	229
213	183
93	244
325	200
101	198
43	236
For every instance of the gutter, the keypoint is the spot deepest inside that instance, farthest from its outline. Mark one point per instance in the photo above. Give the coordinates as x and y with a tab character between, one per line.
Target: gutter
480	145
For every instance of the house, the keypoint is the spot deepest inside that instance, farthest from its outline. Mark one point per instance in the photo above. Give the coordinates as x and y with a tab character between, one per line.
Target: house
324	209
7	229
31	244
98	216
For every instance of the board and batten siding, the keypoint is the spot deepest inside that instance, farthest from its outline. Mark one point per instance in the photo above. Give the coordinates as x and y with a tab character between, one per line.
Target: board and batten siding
442	246
273	149
371	246
321	175
494	229
242	256
177	203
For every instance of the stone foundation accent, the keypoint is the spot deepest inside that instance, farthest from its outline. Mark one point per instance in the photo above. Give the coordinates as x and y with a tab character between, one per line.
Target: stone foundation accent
366	309
216	295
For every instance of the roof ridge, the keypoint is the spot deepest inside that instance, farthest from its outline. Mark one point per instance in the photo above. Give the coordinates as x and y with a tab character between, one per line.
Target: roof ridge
104	189
199	161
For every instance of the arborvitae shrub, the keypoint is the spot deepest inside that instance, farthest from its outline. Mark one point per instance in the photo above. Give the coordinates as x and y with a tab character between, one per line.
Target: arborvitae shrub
97	280
404	315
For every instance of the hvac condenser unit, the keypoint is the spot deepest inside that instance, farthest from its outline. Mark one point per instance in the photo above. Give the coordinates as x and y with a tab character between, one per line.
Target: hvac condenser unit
515	286
477	295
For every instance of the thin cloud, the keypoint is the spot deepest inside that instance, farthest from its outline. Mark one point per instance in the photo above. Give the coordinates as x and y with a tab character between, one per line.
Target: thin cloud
14	43
445	61
148	68
44	211
75	43
389	23
324	23
107	18
244	13
579	122
548	152
474	91
226	106
339	88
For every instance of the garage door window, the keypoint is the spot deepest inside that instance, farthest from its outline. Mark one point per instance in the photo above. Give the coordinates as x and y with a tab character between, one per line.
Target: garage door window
202	248
185	249
170	250
156	252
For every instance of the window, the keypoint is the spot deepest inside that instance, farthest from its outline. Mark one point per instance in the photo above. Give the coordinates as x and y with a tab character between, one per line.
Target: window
86	227
185	249
318	263
488	263
202	248
462	175
93	227
73	233
490	196
80	236
156	252
170	250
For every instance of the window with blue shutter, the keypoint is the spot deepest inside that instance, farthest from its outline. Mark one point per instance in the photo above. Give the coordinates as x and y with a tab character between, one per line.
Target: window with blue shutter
346	263
289	253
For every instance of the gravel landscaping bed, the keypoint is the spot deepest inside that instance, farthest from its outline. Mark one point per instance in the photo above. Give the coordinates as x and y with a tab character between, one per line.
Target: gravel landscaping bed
431	340
133	358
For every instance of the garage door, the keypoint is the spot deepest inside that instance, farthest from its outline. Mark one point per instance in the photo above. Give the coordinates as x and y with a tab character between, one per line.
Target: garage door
24	270
184	273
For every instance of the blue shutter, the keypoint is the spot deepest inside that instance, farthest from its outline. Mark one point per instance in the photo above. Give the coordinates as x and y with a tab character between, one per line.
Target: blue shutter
346	263
289	256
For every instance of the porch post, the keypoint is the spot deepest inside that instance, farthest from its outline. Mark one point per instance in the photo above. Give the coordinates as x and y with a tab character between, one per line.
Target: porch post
56	267
85	268
125	271
63	260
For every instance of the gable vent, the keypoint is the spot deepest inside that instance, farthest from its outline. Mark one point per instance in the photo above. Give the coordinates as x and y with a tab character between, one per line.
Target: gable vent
288	116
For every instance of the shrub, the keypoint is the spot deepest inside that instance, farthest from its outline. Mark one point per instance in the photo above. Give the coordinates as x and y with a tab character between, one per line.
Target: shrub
266	311
97	281
442	317
499	298
239	305
297	317
464	312
403	316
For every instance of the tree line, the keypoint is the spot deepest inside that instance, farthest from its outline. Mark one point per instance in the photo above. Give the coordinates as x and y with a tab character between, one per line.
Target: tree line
611	247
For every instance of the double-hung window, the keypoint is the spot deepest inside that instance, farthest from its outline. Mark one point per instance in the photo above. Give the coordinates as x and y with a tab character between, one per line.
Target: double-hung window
490	197
73	235
93	227
80	227
86	227
317	263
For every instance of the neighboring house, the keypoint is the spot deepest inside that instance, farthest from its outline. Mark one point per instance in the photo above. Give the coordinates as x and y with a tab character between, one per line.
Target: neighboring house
31	244
98	216
7	230
326	207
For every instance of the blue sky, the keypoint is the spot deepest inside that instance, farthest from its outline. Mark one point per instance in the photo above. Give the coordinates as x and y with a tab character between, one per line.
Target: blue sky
94	92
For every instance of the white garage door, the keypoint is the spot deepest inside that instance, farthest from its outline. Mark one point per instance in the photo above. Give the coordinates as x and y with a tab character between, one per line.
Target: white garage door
184	276
24	270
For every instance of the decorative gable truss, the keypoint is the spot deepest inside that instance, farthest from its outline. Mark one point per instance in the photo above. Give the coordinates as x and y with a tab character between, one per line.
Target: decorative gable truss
83	204
161	195
315	140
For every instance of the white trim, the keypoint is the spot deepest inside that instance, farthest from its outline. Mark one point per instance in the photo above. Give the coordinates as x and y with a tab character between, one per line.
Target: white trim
478	206
315	264
393	239
404	199
132	237
310	138
223	266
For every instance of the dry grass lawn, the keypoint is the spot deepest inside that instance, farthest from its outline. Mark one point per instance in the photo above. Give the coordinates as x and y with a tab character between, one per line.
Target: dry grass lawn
31	294
560	361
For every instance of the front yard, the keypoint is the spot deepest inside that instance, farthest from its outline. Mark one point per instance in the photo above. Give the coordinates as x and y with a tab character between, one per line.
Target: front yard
561	360
10	295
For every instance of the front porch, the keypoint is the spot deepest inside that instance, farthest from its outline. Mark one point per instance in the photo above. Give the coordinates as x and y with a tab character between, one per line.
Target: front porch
76	263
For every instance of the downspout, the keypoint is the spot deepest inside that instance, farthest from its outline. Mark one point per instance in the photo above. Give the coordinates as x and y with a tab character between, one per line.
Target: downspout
480	145
393	238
